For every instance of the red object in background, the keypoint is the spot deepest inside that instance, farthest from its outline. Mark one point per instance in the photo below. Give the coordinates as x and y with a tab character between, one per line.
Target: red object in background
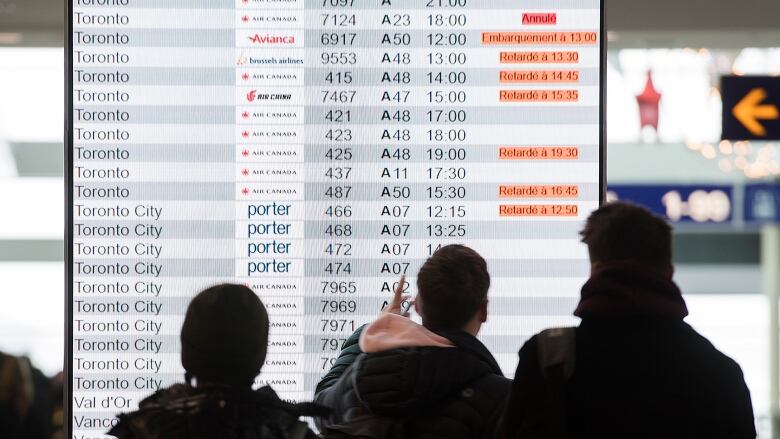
649	104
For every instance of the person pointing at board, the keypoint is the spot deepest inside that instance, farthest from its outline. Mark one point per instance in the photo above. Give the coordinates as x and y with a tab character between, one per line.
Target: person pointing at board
398	379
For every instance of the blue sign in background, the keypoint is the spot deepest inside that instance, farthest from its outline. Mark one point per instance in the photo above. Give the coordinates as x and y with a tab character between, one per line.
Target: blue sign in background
762	202
681	203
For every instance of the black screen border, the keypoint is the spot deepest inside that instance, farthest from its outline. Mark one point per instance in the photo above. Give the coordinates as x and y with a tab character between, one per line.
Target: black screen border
68	180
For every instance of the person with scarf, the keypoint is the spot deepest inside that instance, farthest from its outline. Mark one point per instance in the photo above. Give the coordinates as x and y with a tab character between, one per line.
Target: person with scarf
397	379
633	368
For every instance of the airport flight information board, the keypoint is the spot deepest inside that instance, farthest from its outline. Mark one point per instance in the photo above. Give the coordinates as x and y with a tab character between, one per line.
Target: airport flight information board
316	150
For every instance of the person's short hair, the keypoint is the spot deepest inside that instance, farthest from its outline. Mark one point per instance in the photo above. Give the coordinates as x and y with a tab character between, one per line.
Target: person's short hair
452	285
224	338
622	231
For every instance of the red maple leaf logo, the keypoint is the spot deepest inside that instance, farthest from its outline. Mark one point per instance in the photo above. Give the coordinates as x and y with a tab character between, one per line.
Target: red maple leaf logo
245	153
245	134
245	76
251	96
245	115
245	18
245	172
245	191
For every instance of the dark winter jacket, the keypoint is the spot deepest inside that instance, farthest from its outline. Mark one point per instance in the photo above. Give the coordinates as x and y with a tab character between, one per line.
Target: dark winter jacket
640	371
419	392
181	411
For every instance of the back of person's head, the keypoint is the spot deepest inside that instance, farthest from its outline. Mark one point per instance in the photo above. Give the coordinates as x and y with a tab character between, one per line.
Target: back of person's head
625	232
452	287
224	337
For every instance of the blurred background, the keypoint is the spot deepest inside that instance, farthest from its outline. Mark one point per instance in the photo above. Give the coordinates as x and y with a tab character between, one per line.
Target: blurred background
665	61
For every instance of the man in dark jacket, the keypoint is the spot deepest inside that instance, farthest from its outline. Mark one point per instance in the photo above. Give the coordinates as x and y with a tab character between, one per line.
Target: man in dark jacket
633	368
223	346
397	379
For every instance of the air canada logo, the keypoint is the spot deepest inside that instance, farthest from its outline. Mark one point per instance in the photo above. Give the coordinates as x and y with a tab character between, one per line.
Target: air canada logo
272	39
251	96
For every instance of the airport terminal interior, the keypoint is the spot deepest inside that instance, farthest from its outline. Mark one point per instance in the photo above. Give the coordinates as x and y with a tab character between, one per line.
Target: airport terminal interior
671	71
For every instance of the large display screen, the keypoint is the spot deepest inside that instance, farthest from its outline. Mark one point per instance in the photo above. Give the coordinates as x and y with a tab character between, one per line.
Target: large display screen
317	150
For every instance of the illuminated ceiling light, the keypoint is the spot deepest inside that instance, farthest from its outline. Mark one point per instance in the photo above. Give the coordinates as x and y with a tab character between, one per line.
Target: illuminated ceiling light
761	170
715	93
708	151
742	148
741	163
10	38
725	165
725	147
693	146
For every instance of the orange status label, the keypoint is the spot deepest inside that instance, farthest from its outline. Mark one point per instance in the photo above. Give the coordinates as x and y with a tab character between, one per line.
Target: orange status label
540	18
539	95
538	76
539	191
539	38
566	57
535	210
538	153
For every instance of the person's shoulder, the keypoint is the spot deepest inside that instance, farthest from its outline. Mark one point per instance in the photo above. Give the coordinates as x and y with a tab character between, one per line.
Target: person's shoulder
529	351
152	411
702	349
496	387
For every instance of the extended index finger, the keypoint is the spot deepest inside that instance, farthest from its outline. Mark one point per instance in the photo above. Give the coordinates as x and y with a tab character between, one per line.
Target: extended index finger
399	289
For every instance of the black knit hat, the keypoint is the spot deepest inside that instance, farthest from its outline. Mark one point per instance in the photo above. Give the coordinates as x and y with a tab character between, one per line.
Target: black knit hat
224	337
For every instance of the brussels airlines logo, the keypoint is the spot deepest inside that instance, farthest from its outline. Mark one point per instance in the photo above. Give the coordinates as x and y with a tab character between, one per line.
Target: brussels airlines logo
251	96
272	39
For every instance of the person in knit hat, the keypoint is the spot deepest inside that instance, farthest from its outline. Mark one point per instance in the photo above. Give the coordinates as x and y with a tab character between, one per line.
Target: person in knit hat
224	342
224	337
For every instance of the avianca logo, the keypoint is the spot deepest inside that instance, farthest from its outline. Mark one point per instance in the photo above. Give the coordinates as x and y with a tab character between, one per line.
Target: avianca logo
251	96
272	39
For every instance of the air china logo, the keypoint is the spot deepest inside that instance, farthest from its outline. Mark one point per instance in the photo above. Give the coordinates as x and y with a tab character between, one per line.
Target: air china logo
251	96
272	39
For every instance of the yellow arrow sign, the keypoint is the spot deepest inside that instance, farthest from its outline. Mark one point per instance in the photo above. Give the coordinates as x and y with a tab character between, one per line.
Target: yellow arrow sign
749	111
